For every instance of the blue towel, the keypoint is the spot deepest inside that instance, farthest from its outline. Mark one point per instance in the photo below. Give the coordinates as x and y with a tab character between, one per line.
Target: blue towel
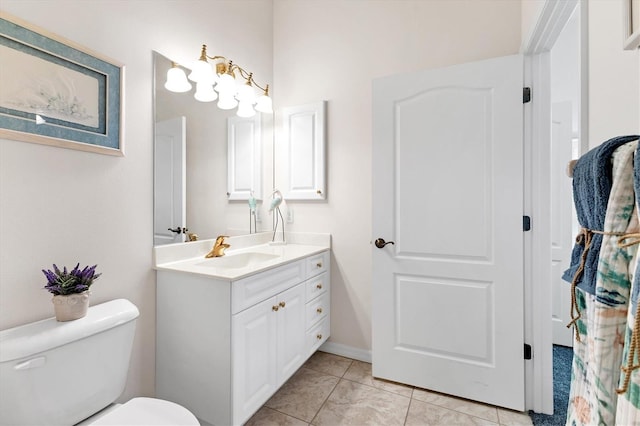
592	180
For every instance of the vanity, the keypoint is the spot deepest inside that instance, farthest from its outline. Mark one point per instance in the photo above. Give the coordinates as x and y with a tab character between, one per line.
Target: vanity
231	330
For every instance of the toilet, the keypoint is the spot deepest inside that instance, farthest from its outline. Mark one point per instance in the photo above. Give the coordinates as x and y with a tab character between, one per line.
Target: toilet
67	373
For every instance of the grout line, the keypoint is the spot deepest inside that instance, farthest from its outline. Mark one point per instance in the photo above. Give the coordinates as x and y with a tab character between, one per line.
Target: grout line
288	415
347	369
325	401
406	416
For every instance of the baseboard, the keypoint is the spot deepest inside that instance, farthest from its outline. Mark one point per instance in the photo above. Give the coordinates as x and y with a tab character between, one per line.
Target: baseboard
346	351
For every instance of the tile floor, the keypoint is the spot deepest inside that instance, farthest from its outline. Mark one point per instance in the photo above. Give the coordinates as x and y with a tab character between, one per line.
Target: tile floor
333	390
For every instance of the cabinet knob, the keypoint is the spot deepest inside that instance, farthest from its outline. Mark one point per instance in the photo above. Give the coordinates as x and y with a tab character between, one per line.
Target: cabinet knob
319	265
319	310
282	304
319	337
274	308
319	286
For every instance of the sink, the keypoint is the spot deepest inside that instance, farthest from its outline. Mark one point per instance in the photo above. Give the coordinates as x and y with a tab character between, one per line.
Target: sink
240	260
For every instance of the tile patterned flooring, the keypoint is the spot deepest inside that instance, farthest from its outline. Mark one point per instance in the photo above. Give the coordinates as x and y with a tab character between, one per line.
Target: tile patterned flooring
333	390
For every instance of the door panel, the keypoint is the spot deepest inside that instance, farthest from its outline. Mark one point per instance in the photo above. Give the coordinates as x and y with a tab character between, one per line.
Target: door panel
459	113
448	190
291	331
435	300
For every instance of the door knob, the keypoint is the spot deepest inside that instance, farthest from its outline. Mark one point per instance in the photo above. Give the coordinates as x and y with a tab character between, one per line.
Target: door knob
177	230
380	242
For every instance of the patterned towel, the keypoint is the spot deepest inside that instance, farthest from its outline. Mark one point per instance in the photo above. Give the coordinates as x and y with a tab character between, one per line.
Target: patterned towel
628	407
603	314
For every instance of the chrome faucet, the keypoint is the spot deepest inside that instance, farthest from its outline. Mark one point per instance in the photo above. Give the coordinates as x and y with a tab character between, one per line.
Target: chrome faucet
218	247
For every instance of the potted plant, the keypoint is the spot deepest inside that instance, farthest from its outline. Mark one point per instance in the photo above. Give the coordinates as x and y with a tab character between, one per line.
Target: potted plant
70	290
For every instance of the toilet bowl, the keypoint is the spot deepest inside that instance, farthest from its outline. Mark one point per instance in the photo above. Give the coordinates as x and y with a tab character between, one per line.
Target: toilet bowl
72	373
143	411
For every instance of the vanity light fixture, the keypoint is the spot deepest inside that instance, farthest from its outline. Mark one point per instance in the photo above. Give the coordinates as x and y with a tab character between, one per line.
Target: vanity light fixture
221	84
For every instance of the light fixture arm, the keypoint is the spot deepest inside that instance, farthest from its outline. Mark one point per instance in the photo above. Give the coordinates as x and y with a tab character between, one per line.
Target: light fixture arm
228	67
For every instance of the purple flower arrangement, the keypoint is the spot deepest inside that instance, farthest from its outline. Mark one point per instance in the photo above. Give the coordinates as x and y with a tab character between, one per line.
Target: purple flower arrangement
69	282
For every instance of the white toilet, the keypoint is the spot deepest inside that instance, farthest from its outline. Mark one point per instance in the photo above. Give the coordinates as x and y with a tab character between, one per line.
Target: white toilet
63	373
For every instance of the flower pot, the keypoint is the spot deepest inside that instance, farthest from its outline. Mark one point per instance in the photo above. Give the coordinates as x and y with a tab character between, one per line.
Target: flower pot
71	306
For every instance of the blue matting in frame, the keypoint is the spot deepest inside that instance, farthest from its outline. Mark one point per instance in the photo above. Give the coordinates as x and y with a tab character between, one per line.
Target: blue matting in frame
56	113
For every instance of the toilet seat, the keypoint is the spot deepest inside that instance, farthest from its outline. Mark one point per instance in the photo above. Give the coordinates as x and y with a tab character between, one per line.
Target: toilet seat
148	411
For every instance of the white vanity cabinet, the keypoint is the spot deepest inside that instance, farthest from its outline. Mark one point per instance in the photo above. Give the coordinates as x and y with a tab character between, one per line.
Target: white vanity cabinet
268	342
224	347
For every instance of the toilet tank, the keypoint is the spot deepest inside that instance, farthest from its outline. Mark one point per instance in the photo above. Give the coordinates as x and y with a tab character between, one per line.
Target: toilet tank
59	373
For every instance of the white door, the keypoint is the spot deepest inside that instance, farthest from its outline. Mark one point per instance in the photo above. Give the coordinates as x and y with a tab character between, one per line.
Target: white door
169	181
448	191
561	214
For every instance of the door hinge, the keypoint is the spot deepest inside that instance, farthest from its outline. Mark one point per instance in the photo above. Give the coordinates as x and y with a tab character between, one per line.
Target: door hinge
526	223
526	95
527	351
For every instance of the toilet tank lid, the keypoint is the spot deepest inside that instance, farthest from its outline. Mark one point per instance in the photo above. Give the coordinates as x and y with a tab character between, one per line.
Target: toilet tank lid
36	337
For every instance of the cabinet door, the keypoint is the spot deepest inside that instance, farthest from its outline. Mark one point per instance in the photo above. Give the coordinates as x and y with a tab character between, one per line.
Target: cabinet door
291	331
254	358
244	158
302	157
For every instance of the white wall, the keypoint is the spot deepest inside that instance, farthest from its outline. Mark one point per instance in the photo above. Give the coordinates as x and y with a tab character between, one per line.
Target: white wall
66	206
531	10
614	75
332	50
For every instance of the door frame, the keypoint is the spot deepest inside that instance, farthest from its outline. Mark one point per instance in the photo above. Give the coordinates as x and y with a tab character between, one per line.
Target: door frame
537	244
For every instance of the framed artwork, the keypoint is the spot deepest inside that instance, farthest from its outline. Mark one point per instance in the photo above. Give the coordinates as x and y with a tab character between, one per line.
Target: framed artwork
631	24
55	92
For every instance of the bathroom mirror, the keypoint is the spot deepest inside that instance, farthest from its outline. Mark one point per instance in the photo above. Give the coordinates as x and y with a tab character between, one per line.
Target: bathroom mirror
204	177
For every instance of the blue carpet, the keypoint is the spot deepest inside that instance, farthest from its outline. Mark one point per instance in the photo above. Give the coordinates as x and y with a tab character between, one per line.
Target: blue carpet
562	359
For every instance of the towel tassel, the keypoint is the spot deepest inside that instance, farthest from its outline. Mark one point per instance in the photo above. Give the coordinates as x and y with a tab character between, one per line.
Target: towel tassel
586	235
634	344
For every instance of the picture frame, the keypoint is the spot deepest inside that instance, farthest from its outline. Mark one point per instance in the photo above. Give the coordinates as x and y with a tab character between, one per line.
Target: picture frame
631	24
56	92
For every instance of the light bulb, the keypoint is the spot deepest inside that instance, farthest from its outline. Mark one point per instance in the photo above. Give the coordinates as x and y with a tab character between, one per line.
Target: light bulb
227	101
177	80
205	92
226	84
246	94
245	109
264	104
202	72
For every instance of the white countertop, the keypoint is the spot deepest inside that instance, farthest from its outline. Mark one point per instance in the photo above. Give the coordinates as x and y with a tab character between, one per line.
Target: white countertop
189	257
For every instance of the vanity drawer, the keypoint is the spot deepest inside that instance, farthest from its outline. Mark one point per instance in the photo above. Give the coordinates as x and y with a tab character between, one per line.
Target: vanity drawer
317	264
248	291
317	309
318	335
317	286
